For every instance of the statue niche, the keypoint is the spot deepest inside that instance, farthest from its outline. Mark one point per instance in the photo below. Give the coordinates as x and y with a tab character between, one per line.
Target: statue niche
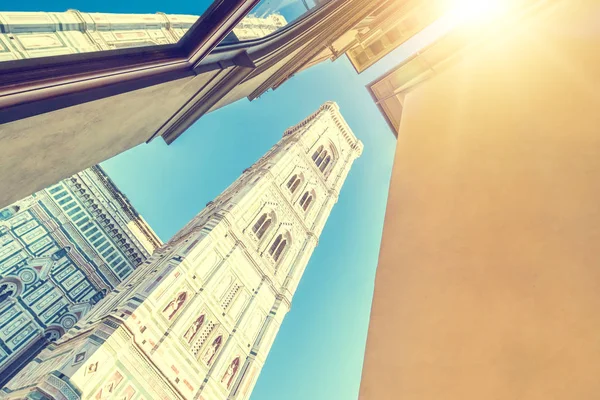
231	371
193	329
174	305
212	350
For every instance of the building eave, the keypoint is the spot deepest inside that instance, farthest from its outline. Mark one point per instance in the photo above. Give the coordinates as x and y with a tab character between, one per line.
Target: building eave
445	52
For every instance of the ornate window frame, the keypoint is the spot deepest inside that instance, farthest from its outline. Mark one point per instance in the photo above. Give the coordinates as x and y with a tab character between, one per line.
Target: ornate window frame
269	213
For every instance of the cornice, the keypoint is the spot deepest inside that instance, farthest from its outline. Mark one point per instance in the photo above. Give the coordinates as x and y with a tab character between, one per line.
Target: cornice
126	205
334	110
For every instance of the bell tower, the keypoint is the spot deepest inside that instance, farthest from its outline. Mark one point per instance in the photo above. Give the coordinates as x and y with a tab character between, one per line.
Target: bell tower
197	320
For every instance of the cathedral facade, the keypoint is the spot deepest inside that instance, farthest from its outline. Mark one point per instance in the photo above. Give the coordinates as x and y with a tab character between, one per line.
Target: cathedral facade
197	319
41	34
61	250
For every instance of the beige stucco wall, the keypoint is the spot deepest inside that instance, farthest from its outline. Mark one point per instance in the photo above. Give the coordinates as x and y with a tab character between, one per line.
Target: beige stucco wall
488	284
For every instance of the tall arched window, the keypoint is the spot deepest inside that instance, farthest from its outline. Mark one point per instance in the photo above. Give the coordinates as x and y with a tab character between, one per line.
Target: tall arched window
323	158
280	250
275	244
295	186
261	226
259	223
316	155
325	163
293	183
277	248
305	201
263	229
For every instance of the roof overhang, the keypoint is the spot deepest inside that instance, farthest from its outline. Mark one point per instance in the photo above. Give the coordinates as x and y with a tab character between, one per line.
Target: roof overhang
389	90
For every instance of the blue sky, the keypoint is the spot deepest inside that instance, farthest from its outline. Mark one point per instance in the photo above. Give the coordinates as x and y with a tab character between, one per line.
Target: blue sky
318	353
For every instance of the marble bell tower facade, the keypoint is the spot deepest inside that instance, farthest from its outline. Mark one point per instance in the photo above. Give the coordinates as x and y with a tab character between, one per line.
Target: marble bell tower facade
197	319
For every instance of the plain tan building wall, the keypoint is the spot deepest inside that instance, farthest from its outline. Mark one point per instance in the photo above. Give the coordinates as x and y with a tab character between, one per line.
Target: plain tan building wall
489	277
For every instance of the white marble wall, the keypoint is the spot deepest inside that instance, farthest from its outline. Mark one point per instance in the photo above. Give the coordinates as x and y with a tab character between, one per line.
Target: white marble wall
61	249
40	34
198	320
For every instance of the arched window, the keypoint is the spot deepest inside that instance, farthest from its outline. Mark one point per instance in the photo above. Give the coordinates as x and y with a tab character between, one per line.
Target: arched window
293	183
316	155
295	186
326	162
280	250
275	244
259	223
305	201
277	248
261	226
324	158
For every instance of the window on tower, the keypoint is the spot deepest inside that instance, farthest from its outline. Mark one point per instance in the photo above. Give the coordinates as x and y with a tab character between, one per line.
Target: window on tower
278	247
307	204
323	159
306	200
293	183
316	155
262	225
325	163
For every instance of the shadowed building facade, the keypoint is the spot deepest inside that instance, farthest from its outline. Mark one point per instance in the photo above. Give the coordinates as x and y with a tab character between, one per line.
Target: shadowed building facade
197	320
488	277
61	251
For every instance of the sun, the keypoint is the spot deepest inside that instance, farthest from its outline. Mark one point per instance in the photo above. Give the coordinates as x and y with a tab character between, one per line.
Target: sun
476	11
